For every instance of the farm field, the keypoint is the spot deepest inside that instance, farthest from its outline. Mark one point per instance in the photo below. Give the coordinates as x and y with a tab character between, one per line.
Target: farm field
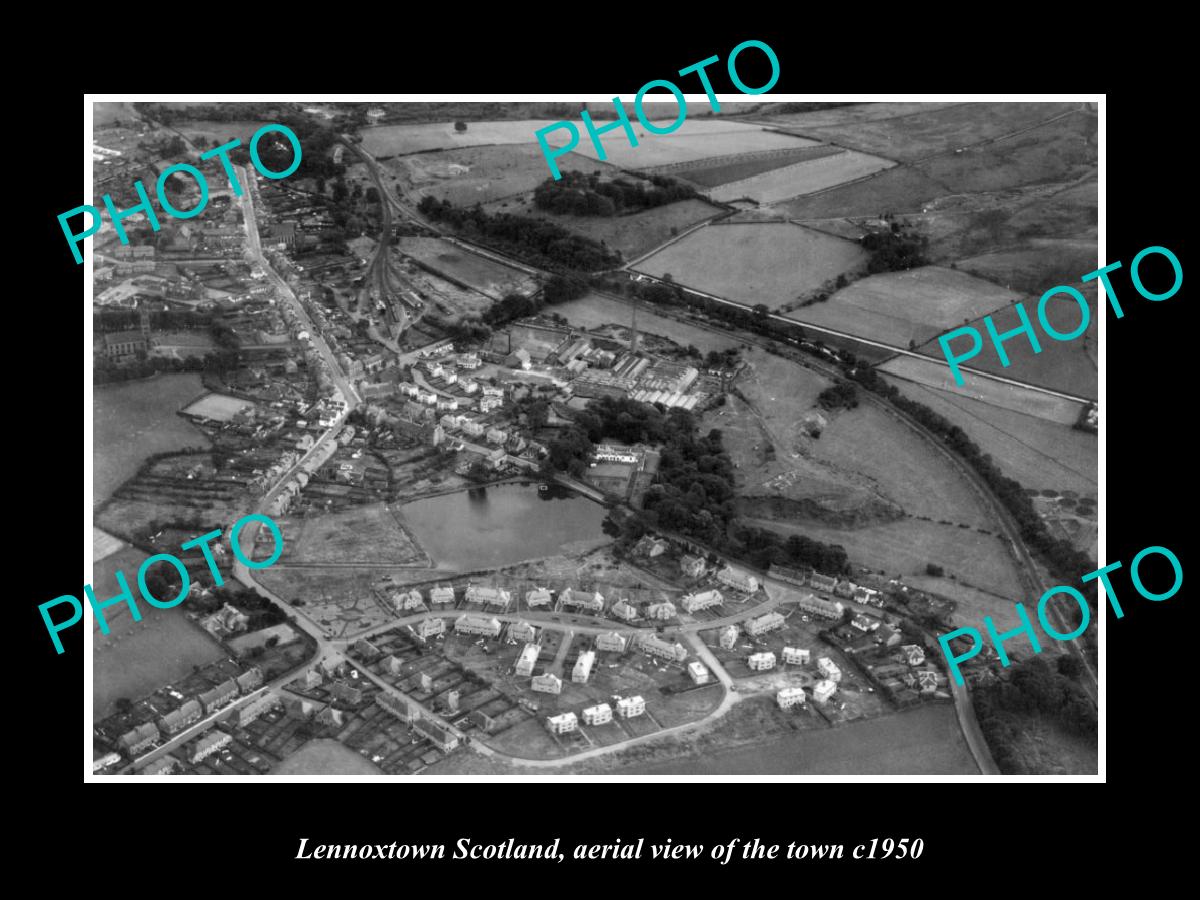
486	173
934	373
849	114
902	307
135	419
108	113
326	757
633	234
712	172
975	598
136	658
1067	366
802	178
1038	265
594	311
920	134
900	190
366	535
1058	151
481	274
221	132
756	263
1038	453
685	144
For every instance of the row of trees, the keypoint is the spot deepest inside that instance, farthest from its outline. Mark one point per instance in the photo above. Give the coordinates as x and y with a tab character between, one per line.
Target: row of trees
581	194
109	320
542	243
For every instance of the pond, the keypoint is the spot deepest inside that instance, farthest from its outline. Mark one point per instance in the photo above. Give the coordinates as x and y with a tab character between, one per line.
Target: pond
502	525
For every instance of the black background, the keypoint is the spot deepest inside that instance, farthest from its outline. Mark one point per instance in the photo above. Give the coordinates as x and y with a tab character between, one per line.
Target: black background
974	833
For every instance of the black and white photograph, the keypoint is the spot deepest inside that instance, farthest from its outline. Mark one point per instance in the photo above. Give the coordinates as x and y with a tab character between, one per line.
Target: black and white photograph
683	436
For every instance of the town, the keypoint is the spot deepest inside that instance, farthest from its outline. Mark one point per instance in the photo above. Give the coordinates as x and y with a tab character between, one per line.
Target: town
552	495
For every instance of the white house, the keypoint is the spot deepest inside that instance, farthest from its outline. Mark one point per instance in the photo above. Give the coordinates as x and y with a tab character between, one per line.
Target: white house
628	707
625	611
695	602
612	641
539	597
562	723
661	611
442	594
828	669
797	656
914	654
598	714
547	683
739	581
760	662
789	697
477	625
583	667
727	637
428	628
763	624
697	672
528	659
823	690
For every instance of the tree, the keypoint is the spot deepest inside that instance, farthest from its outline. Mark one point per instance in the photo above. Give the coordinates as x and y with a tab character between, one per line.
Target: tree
273	640
460	126
935	571
124	705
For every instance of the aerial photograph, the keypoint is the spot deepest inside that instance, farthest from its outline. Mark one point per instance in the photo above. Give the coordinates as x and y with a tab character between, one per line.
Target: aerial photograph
586	458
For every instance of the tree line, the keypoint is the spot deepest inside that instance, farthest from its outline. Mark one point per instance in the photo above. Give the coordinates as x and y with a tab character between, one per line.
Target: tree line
582	194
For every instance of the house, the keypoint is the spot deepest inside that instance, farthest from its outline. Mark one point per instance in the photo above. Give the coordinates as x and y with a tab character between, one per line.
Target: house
822	582
626	611
250	679
887	635
864	623
868	596
692	566
208	744
104	760
628	707
583	667
406	600
823	690
410	390
914	654
135	741
496	436
490	390
346	692
611	641
789	697
488	596
393	664
739	581
428	628
562	723
313	678
539	597
219	696
796	656
650	546
231	619
547	683
818	606
658	646
617	453
727	637
695	602
928	680
661	611
366	650
447	404
477	625
497	458
469	360
764	624
398	707
481	720
845	588
466	385
760	662
440	736
522	631
528	659
300	708
487	404
331	717
697	672
581	600
248	712
598	714
441	594
828	669
123	344
798	576
164	765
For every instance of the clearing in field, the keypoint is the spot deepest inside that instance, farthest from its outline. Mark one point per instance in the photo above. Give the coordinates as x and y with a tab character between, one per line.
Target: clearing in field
686	145
631	235
365	535
925	133
802	178
1036	452
756	263
219	407
906	308
480	273
484	174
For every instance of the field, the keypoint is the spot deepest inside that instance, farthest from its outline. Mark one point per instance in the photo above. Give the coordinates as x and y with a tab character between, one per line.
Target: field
217	406
900	190
846	115
920	134
476	271
1067	366
801	178
326	757
764	263
365	535
1039	453
685	145
105	114
135	419
899	307
484	174
712	172
396	140
633	234
339	599
136	658
594	311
